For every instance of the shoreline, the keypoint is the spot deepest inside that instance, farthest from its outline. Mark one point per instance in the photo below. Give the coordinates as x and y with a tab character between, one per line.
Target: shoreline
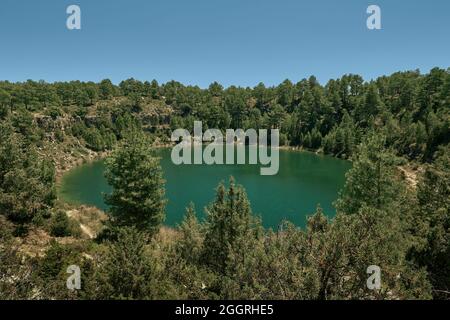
94	156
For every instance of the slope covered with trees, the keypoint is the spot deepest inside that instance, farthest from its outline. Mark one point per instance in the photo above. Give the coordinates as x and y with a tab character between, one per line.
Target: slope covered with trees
410	108
381	219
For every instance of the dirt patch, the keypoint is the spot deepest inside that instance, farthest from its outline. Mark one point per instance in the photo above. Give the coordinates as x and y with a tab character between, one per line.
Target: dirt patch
411	175
37	241
91	220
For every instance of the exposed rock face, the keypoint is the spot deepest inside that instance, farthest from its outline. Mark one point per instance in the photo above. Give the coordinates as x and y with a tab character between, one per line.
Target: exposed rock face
49	123
68	151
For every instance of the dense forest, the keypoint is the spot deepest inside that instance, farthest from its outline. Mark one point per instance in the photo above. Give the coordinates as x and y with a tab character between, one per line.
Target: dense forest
382	217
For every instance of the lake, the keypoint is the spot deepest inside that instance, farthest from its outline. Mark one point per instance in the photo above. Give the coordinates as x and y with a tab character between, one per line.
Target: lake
304	180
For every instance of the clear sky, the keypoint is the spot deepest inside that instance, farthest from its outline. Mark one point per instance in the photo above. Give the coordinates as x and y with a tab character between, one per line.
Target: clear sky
239	42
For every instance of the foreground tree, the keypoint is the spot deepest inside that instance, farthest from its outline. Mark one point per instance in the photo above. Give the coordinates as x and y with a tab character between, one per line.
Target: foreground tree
230	224
233	244
16	274
126	271
190	244
433	224
372	180
137	198
26	180
369	238
372	227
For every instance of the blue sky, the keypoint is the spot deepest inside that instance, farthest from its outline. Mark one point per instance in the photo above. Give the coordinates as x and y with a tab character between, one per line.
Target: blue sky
239	42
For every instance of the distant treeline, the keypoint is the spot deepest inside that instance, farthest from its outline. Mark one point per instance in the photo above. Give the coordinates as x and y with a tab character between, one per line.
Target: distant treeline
411	109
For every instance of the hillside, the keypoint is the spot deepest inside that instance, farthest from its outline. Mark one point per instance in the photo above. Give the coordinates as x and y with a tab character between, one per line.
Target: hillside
393	210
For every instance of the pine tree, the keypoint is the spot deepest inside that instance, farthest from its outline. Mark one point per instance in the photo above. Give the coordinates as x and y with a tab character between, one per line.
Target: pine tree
127	271
372	227
26	180
229	224
137	198
433	224
60	224
191	242
371	180
352	243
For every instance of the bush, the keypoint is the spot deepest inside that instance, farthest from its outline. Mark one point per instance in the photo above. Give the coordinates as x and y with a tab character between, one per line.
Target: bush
59	225
62	226
283	139
53	112
6	229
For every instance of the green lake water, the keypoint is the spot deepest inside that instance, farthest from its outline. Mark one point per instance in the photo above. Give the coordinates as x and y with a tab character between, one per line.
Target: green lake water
304	180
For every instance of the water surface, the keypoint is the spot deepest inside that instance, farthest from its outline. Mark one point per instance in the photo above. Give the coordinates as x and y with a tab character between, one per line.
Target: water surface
304	180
